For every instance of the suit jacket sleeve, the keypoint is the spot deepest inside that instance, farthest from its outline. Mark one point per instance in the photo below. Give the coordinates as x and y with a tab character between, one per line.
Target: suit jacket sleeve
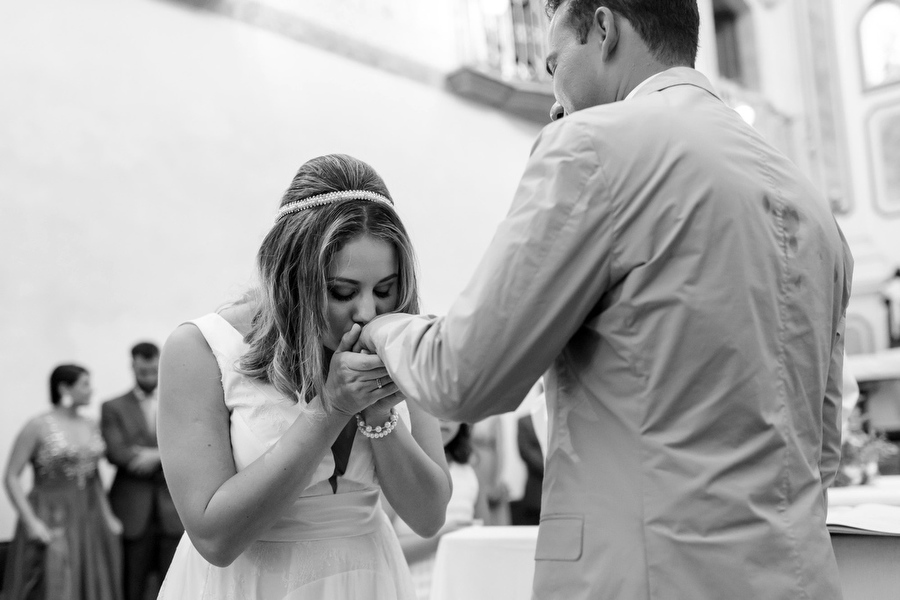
118	449
831	414
830	458
543	273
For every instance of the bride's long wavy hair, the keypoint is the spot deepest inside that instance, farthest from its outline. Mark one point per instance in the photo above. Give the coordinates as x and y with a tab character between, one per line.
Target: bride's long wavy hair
289	323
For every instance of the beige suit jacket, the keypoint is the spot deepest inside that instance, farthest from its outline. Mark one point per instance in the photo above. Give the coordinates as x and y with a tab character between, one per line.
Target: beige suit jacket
684	288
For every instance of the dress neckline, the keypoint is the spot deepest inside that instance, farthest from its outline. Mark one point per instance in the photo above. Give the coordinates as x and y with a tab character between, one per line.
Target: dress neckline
342	446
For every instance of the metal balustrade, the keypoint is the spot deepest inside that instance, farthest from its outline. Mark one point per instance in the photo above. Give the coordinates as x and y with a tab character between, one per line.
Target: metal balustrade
505	38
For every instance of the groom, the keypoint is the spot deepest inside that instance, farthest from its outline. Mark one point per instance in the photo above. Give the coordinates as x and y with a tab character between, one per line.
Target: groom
684	288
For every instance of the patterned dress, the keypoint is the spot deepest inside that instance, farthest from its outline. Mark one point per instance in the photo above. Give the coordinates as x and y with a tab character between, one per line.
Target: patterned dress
83	559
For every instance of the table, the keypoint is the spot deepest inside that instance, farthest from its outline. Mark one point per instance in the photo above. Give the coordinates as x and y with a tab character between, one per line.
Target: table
489	563
868	565
875	367
497	563
884	489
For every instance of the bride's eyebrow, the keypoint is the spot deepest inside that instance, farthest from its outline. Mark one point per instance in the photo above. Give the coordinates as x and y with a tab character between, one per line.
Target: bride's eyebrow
355	282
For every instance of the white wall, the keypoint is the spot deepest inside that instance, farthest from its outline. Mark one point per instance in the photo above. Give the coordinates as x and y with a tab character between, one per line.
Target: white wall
423	31
707	59
144	148
872	234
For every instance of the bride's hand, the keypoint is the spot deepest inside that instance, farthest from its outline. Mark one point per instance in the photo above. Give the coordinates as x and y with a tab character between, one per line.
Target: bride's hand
380	411
356	381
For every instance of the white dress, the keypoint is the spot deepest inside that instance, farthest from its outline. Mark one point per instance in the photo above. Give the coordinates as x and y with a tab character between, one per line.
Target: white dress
328	545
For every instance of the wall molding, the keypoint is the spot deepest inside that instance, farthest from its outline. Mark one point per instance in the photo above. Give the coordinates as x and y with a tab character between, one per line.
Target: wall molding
261	14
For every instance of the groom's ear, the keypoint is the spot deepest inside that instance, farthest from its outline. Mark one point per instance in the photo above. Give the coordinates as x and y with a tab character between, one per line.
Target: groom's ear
605	32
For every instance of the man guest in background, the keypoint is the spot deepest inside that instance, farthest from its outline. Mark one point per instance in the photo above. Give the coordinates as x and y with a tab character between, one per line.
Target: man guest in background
527	509
139	495
684	287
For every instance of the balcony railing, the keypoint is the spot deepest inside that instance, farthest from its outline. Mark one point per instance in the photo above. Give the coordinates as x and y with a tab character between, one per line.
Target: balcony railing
506	38
503	47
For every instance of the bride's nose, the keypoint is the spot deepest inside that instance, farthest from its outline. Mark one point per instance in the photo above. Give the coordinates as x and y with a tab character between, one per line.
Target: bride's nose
365	309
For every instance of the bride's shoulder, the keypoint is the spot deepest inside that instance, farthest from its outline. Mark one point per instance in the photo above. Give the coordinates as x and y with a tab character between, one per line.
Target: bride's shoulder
240	314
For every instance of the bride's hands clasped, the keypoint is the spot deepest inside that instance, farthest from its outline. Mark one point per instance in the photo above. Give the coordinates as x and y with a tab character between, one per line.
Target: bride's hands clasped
356	381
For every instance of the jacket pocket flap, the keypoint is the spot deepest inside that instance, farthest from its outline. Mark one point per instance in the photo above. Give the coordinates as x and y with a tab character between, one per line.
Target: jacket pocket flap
560	537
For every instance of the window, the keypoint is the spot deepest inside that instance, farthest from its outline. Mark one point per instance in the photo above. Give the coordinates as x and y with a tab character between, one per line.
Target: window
884	141
727	46
734	42
879	37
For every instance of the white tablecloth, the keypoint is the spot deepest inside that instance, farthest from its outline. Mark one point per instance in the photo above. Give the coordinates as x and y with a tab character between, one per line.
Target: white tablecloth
485	563
875	367
497	563
883	490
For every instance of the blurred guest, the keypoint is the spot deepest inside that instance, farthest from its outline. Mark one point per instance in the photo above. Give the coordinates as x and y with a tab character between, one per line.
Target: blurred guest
528	449
527	509
849	397
66	544
139	495
465	507
488	459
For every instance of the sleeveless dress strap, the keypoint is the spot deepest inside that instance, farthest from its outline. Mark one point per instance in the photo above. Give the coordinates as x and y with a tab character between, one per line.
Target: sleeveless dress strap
224	340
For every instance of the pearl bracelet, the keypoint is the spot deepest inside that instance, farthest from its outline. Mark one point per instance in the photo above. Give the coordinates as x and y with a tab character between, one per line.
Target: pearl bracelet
379	431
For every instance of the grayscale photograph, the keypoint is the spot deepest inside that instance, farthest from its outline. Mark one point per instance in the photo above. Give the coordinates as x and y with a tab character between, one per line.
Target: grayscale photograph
450	299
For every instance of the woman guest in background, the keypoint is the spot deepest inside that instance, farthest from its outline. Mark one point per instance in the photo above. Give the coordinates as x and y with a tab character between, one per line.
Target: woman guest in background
466	505
276	438
67	542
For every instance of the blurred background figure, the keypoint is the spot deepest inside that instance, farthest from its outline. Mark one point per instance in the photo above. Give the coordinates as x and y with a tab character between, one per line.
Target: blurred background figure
488	458
139	495
66	544
508	456
849	397
466	507
526	473
527	509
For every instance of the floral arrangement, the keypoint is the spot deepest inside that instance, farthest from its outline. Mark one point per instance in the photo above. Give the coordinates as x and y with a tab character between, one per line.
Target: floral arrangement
860	452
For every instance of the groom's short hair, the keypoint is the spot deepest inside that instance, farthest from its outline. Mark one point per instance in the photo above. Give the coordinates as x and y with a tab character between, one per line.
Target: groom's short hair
670	28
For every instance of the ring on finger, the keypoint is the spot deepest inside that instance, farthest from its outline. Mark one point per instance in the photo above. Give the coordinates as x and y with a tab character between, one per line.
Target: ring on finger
378	383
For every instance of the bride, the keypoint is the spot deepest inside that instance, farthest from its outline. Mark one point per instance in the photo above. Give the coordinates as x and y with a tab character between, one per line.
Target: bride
276	437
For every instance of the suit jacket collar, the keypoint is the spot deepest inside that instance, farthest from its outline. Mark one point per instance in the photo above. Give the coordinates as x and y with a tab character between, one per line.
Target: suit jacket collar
677	76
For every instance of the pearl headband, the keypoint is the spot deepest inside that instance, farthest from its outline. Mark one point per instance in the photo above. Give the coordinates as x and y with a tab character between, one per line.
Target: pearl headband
330	198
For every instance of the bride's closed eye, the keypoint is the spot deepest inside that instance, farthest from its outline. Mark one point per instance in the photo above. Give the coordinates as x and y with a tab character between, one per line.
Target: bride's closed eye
341	296
345	295
385	292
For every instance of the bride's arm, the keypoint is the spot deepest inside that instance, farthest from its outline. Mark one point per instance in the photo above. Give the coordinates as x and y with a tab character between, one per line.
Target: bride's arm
412	469
224	510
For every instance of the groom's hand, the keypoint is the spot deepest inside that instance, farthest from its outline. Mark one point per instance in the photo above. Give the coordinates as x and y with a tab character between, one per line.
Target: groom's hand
365	344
